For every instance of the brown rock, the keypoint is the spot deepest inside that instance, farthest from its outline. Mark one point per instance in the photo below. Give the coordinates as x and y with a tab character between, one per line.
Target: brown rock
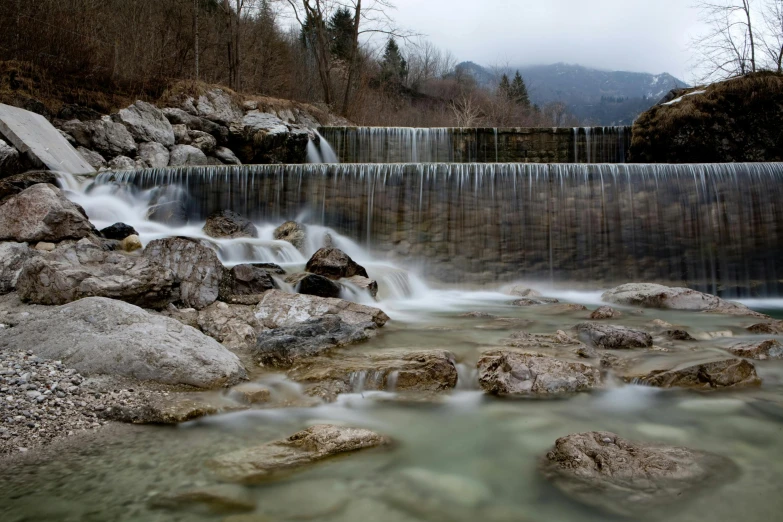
511	372
761	350
730	372
772	328
605	312
334	264
229	225
292	232
42	213
611	337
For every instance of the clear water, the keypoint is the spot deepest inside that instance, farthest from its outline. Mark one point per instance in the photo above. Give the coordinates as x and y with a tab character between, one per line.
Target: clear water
465	457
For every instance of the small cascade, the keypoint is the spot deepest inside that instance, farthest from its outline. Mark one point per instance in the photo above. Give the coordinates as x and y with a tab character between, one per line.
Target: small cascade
716	227
600	144
321	152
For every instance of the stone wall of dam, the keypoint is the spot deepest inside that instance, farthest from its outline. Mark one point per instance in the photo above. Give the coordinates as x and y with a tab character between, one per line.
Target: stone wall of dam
479	145
716	227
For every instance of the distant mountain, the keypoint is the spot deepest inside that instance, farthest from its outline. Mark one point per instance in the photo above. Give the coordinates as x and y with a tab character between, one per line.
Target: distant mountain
595	96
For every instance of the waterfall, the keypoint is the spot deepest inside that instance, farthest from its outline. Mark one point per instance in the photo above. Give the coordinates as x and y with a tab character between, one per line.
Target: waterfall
716	227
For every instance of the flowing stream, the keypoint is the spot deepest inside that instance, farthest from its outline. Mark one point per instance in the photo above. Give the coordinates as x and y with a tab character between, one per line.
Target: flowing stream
466	456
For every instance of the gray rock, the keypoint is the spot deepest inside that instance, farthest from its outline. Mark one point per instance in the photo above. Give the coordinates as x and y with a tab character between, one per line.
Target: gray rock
228	224
107	137
628	478
277	309
86	270
292	232
760	350
363	283
770	328
559	344
650	295
99	336
512	372
12	258
203	141
334	264
10	160
17	183
182	155
227	156
196	268
146	123
218	106
612	337
245	280
284	347
255	465
154	155
722	373
312	284
535	301
522	291
235	326
42	213
121	163
95	160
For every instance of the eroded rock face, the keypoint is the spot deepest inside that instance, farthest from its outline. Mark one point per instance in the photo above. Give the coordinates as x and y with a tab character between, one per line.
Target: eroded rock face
760	350
217	105
227	156
559	344
627	478
255	465
86	270
510	372
121	163
10	161
292	232
99	336
284	347
107	137
650	295
725	373
146	122
42	213
312	284
12	257
430	371
196	268
233	325
94	159
229	225
118	231
278	309
611	337
334	264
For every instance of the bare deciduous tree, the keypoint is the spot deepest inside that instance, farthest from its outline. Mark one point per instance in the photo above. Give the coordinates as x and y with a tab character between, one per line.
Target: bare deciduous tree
773	39
728	48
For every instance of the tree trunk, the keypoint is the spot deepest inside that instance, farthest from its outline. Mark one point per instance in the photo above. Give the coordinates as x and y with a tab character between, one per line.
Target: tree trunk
352	65
746	6
196	50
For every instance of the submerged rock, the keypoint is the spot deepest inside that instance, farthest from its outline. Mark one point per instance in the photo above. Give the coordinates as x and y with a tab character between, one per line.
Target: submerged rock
522	291
42	213
724	373
605	312
217	499
612	337
312	284
334	264
170	409
512	372
269	461
535	301
627	478
292	232
761	350
559	344
650	295
283	347
99	336
278	308
227	224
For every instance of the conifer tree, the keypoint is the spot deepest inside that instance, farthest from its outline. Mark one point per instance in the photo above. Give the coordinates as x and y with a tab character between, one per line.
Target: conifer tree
504	89
341	33
519	91
394	68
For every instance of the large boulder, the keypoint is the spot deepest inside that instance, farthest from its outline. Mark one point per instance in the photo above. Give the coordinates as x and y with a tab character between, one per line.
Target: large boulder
292	232
192	122
278	308
760	350
94	159
12	257
770	328
312	284
225	155
429	371
612	337
215	105
146	123
154	155
121	163
86	270
255	465
283	347
627	478
196	269
17	183
261	137
182	155
42	213
99	336
721	373
650	295
107	137
512	372
558	344
226	224
203	141
10	160
334	264
245	280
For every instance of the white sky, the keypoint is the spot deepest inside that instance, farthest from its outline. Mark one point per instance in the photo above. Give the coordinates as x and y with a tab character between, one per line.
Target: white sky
631	35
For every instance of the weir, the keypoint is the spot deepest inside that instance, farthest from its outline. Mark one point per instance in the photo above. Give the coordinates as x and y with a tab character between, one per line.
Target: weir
716	227
479	145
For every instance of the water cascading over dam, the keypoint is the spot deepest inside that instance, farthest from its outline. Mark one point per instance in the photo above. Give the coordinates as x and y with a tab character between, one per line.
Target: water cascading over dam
717	227
479	145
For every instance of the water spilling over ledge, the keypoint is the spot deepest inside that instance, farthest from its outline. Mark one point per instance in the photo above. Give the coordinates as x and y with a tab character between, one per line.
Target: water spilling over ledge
479	145
717	227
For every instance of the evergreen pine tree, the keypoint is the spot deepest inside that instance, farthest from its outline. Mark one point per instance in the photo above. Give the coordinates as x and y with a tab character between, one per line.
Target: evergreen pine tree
308	35
504	89
519	91
341	33
394	68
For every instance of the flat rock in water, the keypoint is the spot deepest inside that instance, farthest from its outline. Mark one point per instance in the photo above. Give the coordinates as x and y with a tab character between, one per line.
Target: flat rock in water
42	213
393	370
611	337
269	461
278	308
521	291
649	295
512	372
283	347
724	373
535	301
226	224
628	478
171	409
760	350
99	336
334	264
559	343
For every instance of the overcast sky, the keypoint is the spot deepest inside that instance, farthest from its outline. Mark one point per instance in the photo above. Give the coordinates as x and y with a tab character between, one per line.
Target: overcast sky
632	35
